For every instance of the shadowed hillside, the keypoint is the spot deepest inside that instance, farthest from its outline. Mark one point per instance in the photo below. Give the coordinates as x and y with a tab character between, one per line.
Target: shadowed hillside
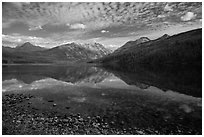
184	49
183	80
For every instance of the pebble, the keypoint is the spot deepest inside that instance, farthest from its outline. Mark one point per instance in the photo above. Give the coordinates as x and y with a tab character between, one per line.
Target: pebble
45	123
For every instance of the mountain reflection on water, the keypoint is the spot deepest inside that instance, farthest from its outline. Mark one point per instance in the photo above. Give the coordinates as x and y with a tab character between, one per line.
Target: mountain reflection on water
143	100
20	76
73	74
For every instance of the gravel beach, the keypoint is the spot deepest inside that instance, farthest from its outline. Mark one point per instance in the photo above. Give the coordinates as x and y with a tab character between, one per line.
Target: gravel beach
26	119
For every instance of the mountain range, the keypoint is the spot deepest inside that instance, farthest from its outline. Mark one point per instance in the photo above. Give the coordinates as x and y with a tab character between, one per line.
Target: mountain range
28	53
177	50
184	49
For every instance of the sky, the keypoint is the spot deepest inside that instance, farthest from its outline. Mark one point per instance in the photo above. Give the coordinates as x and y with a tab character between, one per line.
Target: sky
50	24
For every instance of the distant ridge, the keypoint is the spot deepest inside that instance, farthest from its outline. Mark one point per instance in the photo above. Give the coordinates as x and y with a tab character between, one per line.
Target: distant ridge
177	50
28	53
132	43
28	47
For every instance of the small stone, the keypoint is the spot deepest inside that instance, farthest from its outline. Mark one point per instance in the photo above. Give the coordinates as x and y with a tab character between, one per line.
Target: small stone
98	117
89	117
65	120
81	119
140	132
54	105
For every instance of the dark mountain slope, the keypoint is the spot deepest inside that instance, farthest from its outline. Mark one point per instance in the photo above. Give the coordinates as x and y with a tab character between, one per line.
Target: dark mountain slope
28	47
7	49
178	50
130	44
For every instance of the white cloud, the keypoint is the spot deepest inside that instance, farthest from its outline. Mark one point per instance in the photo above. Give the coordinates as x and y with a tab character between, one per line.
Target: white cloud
89	16
88	20
20	39
15	39
77	26
20	4
168	8
34	28
188	16
161	16
104	31
166	22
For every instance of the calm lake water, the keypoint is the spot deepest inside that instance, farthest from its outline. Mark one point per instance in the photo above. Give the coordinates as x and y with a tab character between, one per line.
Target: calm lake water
143	99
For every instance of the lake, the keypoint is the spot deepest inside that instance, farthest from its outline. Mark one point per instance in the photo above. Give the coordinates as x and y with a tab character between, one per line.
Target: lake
142	102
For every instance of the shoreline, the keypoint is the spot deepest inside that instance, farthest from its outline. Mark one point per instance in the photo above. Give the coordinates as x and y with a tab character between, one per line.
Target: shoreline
22	121
19	117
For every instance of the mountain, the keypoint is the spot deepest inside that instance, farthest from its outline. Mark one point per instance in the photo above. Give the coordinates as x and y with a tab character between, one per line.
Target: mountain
132	44
97	47
74	51
184	49
28	53
165	36
28	47
7	49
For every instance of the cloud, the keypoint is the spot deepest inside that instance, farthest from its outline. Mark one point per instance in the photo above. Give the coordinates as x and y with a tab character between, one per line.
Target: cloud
35	28
104	31
87	15
20	4
62	22
161	16
188	16
17	39
168	8
77	26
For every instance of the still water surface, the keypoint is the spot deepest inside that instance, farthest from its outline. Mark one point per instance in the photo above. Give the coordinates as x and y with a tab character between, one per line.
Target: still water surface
141	99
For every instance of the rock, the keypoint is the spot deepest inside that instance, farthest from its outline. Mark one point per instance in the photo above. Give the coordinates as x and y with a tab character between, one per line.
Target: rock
89	117
65	120
81	119
112	122
54	105
140	132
